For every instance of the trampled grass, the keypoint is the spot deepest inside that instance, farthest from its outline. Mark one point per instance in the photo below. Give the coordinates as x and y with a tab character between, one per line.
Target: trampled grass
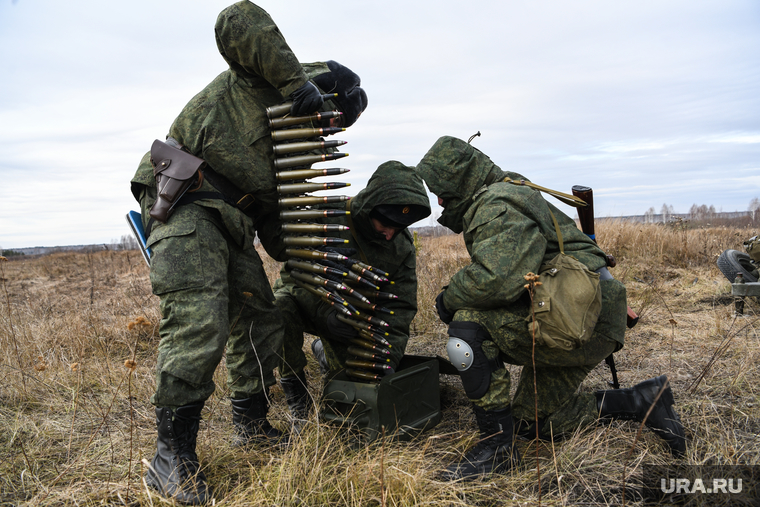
78	337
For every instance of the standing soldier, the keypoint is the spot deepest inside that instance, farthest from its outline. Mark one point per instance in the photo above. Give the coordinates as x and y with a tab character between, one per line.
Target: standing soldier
393	200
215	296
510	231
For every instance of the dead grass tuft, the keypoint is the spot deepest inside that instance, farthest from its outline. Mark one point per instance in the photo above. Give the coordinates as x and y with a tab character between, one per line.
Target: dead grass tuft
79	332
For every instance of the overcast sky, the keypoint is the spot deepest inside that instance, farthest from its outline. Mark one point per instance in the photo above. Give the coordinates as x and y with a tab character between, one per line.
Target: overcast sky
648	102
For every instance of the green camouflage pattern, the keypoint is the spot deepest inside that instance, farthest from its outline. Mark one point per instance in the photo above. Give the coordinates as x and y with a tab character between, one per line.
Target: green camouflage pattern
559	372
392	183
509	232
508	229
215	298
226	123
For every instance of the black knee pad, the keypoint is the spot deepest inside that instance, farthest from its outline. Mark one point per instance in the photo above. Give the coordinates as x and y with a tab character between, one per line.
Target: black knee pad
466	354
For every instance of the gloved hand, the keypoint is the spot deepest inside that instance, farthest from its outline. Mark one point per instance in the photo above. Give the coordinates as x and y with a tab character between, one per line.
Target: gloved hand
340	330
306	100
443	313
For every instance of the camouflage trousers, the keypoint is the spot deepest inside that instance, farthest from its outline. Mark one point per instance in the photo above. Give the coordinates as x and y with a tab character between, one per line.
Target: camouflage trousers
558	372
215	299
300	319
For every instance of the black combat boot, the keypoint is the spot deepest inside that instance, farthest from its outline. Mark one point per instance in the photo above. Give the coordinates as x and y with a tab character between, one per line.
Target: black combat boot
494	453
634	402
298	398
175	471
249	415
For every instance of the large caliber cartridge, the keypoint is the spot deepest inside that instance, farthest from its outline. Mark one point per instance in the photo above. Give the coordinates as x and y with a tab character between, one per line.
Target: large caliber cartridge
312	228
314	254
369	365
314	268
284	108
311	200
301	146
289	121
302	188
307	160
291	134
303	174
312	241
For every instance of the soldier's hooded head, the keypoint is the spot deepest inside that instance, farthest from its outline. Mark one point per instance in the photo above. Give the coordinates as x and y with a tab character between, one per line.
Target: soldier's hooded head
351	99
454	171
394	196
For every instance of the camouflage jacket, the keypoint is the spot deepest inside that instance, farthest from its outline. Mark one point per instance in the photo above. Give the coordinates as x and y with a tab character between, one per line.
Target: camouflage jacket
226	124
392	183
508	230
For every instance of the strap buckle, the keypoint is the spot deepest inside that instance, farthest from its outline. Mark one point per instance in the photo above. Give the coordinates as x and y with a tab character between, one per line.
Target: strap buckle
245	201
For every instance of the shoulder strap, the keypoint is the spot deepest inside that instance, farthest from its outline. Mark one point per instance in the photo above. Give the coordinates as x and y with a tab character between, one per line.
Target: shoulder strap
568	199
559	234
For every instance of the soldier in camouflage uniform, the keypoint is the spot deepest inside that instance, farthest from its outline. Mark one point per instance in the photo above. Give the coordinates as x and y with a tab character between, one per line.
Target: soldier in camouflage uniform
393	199
509	232
215	297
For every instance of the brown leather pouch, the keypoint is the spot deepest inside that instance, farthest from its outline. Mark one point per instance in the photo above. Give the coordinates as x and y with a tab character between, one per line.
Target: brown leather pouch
175	171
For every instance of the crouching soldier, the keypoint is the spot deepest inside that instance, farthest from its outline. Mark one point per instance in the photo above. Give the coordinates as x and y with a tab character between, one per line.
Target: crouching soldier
510	231
377	235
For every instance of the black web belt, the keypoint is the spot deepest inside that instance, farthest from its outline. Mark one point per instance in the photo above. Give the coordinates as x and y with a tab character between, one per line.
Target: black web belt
227	192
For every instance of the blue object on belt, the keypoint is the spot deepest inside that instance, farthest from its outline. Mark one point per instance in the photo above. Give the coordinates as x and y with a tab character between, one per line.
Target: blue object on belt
604	274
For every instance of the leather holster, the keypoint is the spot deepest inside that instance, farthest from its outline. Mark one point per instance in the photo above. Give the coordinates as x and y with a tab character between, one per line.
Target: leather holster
175	171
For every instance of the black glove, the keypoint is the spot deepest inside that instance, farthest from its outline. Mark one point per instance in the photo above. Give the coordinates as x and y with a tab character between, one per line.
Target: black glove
306	100
340	330
443	313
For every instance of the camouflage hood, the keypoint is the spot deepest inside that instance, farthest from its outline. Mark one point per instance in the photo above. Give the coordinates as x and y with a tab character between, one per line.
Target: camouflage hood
392	183
454	171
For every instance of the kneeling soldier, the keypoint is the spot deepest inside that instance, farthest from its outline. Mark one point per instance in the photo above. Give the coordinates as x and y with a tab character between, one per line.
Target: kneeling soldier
510	231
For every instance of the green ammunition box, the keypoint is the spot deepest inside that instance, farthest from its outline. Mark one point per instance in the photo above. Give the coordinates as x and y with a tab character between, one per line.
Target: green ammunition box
404	403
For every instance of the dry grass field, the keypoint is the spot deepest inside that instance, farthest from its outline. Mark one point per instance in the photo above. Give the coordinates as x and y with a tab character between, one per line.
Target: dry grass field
78	339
